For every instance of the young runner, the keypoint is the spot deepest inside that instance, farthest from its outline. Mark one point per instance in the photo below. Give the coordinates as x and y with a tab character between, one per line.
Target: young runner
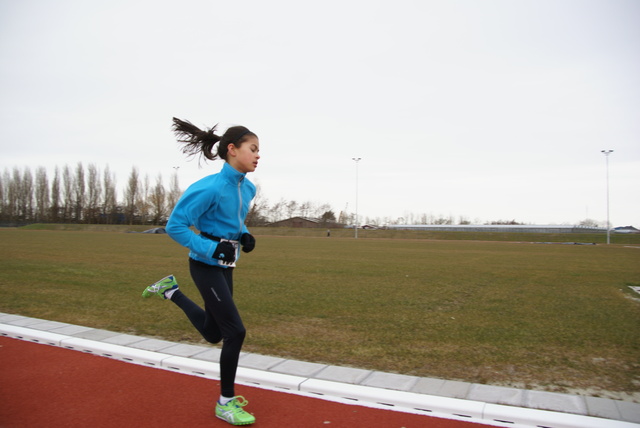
216	206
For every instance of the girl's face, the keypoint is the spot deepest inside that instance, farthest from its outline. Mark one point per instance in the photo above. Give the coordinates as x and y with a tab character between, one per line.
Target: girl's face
245	158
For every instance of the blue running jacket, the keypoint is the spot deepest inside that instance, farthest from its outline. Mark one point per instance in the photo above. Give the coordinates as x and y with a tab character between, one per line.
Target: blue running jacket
217	205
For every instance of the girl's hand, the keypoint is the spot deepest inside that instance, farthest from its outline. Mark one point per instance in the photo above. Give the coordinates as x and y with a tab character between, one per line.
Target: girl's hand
248	242
225	252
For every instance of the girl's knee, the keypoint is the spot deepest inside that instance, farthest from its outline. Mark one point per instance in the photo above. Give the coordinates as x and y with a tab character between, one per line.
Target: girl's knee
212	337
236	336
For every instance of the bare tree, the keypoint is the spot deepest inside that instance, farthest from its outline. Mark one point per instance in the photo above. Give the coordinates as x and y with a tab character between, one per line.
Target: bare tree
4	182
42	195
67	194
26	196
14	195
158	202
275	212
320	210
174	192
292	207
304	209
79	191
12	191
343	217
142	199
589	222
109	199
259	207
131	195
92	206
444	220
464	220
54	215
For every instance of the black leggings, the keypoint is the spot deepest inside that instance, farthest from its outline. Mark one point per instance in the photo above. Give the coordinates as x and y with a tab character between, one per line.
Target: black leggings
219	320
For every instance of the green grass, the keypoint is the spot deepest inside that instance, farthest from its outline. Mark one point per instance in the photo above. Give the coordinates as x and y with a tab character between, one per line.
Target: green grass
532	315
598	238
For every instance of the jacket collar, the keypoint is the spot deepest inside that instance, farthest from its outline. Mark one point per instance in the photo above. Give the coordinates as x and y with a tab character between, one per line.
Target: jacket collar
231	174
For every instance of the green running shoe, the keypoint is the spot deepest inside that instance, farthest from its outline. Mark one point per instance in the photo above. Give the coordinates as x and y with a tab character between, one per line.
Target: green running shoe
160	287
232	412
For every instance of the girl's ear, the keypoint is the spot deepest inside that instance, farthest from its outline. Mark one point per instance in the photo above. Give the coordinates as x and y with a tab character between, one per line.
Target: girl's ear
232	149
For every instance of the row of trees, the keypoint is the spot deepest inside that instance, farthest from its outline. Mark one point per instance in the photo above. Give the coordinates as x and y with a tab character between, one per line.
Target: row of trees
262	212
88	195
83	195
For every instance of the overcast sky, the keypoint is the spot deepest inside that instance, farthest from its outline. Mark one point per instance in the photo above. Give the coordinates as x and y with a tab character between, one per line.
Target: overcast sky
486	110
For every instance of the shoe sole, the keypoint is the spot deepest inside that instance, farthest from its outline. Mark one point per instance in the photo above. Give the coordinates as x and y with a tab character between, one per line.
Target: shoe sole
236	424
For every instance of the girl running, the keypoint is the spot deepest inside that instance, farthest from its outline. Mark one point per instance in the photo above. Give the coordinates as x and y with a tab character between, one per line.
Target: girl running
216	206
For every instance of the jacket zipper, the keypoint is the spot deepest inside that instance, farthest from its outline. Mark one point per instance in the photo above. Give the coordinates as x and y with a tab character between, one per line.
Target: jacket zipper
240	208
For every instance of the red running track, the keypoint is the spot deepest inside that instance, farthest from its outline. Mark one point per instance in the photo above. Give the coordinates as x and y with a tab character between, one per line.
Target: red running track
47	386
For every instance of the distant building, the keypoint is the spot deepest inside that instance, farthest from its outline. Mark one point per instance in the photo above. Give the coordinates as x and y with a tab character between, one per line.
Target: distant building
297	222
521	228
304	222
625	229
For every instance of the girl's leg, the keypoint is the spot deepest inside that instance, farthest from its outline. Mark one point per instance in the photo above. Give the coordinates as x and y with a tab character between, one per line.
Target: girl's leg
201	320
216	286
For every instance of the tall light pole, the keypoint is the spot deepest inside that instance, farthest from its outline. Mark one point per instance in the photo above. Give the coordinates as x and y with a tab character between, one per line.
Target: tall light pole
606	155
357	160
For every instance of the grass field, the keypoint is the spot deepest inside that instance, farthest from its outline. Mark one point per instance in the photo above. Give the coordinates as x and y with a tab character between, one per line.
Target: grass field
540	316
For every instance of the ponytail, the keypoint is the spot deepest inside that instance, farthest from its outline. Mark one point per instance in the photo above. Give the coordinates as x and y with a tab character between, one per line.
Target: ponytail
198	142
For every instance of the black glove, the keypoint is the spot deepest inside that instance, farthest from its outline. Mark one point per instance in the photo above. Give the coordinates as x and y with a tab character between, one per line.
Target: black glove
248	242
225	252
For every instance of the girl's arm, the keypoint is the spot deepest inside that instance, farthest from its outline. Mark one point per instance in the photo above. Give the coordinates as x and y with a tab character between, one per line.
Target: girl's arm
185	214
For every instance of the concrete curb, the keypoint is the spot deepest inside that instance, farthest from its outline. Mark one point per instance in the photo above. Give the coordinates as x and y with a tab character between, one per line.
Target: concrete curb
450	399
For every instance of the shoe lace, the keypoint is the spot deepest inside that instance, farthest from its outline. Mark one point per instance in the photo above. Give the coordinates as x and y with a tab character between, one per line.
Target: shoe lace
155	288
239	402
158	286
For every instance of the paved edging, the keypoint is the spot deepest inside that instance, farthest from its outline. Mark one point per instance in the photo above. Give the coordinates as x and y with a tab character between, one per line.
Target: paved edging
430	396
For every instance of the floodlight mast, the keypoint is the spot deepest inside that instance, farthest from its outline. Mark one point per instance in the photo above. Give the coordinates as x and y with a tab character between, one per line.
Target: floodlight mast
357	160
606	155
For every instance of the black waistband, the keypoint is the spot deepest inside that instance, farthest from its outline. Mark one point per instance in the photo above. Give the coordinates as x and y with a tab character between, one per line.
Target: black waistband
213	238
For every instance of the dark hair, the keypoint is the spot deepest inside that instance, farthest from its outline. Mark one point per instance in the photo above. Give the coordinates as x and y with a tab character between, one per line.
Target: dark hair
198	142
